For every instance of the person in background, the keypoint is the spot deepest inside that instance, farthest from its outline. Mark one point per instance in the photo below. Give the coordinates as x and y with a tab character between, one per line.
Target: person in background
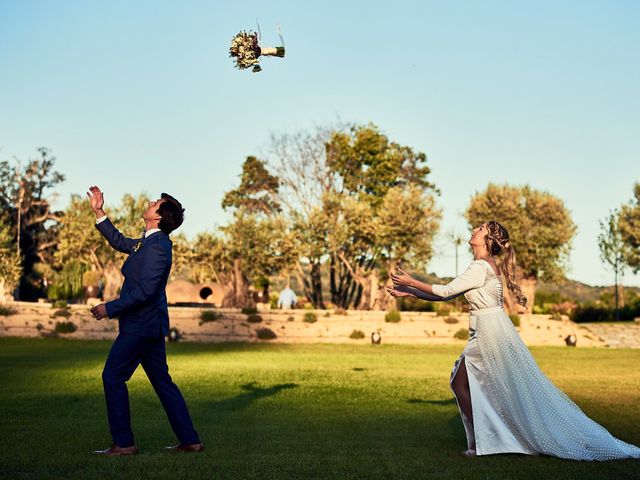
287	298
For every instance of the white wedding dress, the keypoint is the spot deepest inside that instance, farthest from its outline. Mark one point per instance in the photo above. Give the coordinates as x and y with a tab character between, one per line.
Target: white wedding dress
515	407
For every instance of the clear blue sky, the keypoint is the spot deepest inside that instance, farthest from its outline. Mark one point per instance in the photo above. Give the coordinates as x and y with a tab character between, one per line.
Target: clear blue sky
141	95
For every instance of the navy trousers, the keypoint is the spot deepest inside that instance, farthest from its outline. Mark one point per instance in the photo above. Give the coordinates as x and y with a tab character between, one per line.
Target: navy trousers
127	352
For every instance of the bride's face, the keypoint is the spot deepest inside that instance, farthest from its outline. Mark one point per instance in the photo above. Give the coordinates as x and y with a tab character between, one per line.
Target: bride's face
477	235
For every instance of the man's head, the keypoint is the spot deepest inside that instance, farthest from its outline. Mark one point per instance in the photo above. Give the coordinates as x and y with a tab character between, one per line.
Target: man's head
166	212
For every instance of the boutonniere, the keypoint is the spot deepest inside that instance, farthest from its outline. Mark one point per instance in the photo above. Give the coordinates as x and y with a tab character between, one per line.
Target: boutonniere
137	246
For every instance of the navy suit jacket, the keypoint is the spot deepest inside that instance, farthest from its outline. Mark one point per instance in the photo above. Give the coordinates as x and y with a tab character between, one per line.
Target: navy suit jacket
142	306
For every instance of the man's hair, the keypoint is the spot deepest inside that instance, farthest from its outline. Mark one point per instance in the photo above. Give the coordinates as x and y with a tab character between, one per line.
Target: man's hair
171	213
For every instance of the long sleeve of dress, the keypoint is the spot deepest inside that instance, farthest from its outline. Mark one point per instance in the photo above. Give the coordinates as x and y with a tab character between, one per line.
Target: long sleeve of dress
424	295
473	277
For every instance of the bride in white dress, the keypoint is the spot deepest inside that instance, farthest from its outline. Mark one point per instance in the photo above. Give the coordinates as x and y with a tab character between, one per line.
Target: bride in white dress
506	403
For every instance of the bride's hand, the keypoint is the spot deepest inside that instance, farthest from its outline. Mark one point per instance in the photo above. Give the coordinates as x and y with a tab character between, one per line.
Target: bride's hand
396	293
400	277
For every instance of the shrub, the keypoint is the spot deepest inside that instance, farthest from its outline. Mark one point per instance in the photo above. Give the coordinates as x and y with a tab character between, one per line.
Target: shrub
310	317
60	304
290	318
6	310
590	313
392	316
249	310
564	308
340	311
596	313
408	304
67	283
209	316
462	334
515	319
254	318
62	313
273	301
451	320
65	327
541	309
266	334
327	314
357	335
444	309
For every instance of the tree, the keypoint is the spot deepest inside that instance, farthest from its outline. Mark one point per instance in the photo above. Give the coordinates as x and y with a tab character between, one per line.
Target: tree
257	242
257	191
209	262
24	196
80	241
540	230
368	164
10	264
337	187
367	242
613	251
629	225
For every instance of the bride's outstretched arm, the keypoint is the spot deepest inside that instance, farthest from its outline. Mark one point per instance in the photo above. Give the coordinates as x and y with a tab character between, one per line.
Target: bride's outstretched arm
402	279
472	277
424	295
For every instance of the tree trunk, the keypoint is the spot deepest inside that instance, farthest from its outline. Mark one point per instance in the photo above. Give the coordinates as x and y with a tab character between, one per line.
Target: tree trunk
316	285
112	281
621	295
241	295
382	300
4	295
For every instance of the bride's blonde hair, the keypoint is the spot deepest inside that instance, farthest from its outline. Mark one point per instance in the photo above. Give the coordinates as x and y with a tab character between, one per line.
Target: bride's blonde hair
497	242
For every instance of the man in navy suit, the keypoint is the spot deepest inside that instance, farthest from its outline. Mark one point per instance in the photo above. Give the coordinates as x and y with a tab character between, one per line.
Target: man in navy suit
144	322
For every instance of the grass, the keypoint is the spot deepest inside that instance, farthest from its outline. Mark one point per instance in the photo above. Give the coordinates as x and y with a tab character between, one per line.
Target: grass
289	411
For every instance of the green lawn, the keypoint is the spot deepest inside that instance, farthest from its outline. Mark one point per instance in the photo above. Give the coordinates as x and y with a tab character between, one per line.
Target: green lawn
289	411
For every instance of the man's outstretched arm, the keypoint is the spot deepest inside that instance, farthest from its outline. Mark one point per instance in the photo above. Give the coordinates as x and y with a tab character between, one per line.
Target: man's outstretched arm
116	239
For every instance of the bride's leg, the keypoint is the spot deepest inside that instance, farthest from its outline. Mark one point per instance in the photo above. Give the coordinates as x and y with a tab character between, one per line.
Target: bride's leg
460	387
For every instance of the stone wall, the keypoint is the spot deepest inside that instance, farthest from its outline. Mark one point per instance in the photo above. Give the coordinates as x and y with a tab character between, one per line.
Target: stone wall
33	319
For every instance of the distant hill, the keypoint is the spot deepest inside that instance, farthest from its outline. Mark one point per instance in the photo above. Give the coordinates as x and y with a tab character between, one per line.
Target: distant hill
579	292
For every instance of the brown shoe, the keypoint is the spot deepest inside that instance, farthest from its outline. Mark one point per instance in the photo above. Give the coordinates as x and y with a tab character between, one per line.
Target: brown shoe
186	447
116	451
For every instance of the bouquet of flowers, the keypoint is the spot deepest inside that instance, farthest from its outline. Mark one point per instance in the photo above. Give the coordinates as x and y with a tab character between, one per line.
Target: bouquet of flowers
245	49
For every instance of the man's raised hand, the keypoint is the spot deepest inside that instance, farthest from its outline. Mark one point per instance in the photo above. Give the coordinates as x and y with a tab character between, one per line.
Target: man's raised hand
97	200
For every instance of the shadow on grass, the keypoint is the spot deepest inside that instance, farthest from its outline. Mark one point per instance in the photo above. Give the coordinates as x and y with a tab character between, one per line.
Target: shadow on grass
251	394
450	401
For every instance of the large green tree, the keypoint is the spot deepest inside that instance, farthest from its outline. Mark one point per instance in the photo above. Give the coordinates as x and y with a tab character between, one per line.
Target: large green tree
338	187
25	196
369	164
257	190
629	225
540	229
257	241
